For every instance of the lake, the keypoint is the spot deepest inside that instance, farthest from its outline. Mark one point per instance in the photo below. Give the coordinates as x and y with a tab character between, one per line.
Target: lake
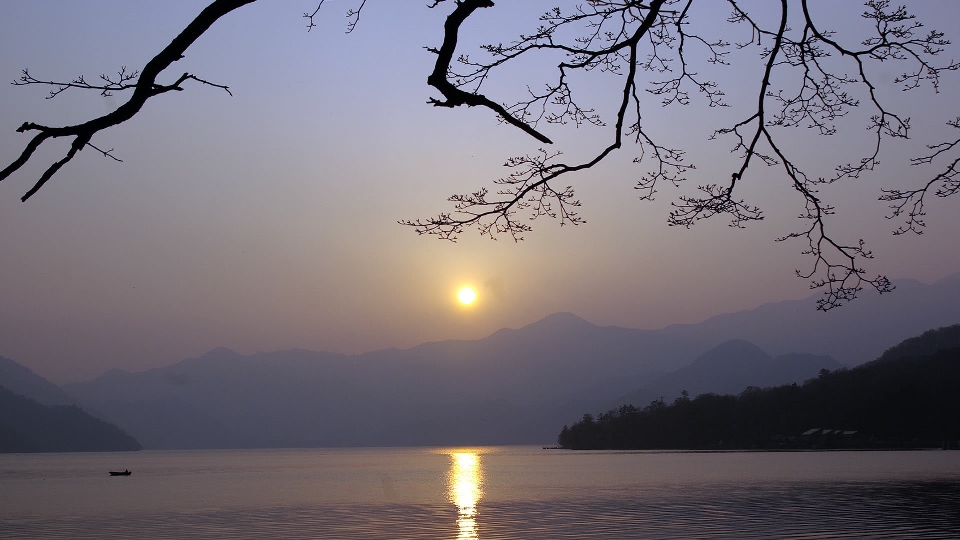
481	494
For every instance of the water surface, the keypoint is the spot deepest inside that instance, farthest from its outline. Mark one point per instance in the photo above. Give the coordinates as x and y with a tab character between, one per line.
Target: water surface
480	493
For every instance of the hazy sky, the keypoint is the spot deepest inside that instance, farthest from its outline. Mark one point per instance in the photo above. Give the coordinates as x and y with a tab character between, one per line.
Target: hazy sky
267	220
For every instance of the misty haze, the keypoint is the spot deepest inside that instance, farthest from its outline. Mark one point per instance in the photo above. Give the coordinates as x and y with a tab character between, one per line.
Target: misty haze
479	270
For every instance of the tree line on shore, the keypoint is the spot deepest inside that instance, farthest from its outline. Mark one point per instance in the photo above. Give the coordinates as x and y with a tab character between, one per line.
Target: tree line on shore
907	398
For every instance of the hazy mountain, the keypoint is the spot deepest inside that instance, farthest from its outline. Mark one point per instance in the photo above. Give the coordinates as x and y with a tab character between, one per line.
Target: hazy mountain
729	368
855	333
28	426
21	380
38	416
514	386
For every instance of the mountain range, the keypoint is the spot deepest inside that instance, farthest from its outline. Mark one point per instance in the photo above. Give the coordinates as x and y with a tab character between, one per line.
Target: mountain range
855	333
516	386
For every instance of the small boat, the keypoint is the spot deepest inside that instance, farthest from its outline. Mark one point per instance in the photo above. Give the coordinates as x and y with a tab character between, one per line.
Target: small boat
124	472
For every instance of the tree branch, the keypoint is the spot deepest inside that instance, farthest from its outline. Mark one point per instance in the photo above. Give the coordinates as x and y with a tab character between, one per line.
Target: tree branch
145	88
454	95
612	31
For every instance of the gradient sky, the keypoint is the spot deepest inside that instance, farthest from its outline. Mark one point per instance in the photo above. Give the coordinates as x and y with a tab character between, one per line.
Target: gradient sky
267	220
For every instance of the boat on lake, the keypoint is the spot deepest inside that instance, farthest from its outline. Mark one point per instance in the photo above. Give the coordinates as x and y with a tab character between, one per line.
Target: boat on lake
124	472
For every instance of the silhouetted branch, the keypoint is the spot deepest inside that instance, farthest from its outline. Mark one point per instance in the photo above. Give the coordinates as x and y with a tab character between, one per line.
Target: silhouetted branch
529	188
123	81
454	96
609	35
146	87
824	79
353	16
910	202
106	153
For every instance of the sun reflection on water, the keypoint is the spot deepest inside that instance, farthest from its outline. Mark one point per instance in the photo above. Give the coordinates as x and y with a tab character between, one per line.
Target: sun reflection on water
465	491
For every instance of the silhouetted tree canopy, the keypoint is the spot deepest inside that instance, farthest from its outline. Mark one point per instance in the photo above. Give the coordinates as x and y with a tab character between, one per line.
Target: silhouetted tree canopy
810	74
904	399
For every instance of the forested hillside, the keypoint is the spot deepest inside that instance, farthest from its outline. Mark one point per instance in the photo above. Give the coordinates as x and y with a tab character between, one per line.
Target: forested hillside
907	398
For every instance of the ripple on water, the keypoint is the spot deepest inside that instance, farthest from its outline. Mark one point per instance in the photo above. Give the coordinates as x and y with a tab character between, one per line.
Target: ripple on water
881	510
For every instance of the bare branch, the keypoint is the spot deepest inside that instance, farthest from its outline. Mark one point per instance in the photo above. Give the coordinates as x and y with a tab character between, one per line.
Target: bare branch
353	16
454	95
106	153
530	189
123	81
910	202
146	87
611	33
807	77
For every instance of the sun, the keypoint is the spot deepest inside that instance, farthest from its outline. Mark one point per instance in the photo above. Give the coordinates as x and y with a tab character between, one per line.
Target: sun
466	296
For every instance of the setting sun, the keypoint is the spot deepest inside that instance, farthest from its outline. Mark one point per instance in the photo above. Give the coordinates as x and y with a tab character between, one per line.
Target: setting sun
466	296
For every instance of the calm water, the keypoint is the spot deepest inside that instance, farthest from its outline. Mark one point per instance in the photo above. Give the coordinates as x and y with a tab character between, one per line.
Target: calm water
481	494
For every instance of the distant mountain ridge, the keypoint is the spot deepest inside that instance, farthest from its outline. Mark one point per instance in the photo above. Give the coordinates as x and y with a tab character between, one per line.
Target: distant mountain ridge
853	334
21	380
729	368
512	387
